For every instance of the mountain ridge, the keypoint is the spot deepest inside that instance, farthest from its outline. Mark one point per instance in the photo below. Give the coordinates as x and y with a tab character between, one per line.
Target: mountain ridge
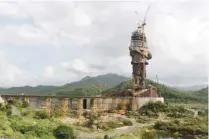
89	86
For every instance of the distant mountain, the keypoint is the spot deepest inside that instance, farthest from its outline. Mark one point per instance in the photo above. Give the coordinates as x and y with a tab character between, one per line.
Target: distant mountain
107	84
202	94
190	87
86	86
90	85
28	90
167	92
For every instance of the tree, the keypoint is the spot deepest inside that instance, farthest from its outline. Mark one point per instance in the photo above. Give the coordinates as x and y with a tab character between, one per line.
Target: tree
41	115
25	104
63	132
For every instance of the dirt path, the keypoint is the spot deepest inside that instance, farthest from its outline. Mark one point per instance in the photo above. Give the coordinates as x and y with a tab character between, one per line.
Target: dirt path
121	130
117	131
192	110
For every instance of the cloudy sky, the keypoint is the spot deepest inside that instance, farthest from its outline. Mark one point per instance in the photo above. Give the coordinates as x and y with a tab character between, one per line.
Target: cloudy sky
54	43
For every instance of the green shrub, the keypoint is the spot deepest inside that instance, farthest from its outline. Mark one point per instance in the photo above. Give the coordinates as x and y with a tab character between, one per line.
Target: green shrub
2	107
106	137
176	114
148	134
63	132
36	130
202	113
91	120
113	124
191	126
25	113
142	119
41	115
8	109
25	104
47	137
14	102
129	107
127	122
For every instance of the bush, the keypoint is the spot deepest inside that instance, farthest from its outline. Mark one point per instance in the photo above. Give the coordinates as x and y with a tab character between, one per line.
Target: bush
63	132
202	113
112	124
8	109
129	107
43	128
176	114
25	104
106	137
127	122
142	119
25	113
148	134
41	115
14	103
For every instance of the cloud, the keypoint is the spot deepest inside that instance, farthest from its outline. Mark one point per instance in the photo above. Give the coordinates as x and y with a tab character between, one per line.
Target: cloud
12	75
64	41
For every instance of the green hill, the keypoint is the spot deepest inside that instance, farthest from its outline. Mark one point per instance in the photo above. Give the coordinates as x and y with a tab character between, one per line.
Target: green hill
28	90
167	92
86	86
109	83
90	85
202	94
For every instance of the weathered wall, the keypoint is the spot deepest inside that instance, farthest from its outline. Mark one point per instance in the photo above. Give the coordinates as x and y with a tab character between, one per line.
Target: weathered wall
112	103
95	104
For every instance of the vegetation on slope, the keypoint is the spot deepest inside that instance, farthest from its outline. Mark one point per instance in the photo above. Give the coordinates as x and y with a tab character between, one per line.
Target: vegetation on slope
86	86
167	92
109	82
28	90
202	94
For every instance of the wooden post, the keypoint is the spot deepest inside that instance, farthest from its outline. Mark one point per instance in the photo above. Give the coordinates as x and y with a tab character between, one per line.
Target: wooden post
64	107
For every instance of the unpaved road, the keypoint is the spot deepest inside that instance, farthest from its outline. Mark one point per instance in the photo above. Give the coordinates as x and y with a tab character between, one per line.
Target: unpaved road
192	110
117	131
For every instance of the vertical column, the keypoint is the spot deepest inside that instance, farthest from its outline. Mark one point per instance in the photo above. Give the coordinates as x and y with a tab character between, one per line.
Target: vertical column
136	81
27	99
114	103
134	104
99	103
124	104
70	101
80	108
64	107
93	105
37	103
48	105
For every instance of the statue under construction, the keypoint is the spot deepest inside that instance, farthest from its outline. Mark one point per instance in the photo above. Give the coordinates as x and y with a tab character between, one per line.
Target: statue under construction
140	55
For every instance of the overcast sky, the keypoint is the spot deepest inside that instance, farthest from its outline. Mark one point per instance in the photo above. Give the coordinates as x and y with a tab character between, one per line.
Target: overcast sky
54	43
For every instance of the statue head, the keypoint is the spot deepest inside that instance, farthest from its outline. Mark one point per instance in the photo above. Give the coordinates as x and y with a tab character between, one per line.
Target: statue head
135	35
